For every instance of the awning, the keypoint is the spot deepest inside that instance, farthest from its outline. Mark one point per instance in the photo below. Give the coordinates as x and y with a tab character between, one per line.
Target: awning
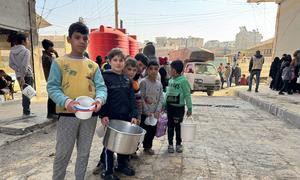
41	22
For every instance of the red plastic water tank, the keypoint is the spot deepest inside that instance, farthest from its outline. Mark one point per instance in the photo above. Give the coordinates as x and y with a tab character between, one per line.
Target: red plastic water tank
133	45
102	40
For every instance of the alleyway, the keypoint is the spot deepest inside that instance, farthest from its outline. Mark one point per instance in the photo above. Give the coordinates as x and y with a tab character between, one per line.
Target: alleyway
234	141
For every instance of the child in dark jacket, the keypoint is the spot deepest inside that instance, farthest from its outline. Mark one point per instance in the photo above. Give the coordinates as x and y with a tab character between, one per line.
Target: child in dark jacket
121	105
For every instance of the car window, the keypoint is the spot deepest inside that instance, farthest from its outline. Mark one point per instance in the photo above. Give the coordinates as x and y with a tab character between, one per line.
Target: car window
205	69
189	68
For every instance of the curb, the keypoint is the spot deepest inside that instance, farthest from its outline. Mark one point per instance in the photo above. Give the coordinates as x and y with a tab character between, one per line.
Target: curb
18	138
27	126
9	102
280	112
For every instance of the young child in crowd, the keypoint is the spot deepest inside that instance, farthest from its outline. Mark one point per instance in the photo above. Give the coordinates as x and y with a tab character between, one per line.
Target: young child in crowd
152	97
177	96
63	88
130	71
243	80
287	78
121	104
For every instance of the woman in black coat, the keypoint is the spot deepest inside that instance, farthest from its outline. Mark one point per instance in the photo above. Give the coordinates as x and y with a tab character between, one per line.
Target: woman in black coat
278	80
273	71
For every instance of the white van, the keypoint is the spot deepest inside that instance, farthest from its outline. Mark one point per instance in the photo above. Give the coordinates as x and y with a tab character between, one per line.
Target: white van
202	76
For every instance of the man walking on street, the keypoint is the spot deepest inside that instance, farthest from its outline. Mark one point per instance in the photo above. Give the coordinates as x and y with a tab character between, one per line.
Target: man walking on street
255	67
19	61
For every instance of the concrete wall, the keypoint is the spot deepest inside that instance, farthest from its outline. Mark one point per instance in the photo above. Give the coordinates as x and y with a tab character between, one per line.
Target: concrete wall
14	15
288	28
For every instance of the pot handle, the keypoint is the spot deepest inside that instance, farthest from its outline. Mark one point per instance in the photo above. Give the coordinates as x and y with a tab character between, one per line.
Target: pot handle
142	137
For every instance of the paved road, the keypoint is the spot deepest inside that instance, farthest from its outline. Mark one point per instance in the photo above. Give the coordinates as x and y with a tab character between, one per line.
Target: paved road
234	141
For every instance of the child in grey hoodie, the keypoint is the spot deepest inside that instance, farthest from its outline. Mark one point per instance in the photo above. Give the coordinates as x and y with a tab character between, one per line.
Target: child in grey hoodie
19	61
152	97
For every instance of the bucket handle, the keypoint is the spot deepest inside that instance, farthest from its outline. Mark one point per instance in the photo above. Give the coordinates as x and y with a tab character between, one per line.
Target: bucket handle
190	117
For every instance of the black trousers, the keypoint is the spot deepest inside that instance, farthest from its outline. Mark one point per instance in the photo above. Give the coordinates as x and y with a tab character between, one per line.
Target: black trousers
175	117
107	158
149	136
50	107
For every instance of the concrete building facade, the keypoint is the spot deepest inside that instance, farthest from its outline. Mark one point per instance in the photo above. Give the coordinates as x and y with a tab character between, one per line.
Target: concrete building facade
245	39
287	36
178	43
220	48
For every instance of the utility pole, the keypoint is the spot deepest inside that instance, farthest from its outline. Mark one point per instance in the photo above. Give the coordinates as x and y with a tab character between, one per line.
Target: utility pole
116	15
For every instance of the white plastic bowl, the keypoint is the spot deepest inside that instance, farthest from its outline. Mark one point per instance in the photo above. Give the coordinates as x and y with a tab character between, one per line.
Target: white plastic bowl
29	92
85	107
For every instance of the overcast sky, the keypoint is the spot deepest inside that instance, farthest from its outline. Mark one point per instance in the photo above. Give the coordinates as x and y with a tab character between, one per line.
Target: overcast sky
209	19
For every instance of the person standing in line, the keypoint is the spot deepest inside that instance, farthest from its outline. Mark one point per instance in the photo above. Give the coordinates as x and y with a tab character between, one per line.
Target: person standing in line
255	67
163	72
286	77
152	97
273	71
47	59
296	71
177	96
120	106
71	76
19	61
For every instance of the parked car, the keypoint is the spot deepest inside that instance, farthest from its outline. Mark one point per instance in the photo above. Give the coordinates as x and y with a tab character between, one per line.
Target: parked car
202	76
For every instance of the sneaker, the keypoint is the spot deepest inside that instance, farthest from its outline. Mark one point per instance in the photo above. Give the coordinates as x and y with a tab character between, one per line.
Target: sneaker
249	90
149	151
134	156
99	169
25	116
128	171
111	177
179	148
281	93
256	91
170	149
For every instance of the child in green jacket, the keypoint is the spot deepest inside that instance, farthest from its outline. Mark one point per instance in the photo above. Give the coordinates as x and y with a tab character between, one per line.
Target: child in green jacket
177	95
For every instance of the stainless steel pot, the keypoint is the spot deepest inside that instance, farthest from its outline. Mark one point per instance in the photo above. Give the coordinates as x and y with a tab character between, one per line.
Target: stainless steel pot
123	137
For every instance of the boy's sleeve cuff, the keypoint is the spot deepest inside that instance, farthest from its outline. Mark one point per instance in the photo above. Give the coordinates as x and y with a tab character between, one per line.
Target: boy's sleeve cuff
99	100
67	102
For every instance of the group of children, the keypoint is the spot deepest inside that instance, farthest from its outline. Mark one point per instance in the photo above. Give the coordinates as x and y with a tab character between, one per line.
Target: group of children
119	93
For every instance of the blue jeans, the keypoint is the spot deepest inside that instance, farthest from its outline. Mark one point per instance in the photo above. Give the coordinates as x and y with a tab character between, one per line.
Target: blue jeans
255	72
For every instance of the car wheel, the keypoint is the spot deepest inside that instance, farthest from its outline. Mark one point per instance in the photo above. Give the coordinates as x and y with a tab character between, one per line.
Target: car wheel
210	93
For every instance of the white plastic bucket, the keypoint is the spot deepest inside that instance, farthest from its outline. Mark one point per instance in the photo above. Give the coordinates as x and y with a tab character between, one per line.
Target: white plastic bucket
151	120
28	91
100	131
188	130
85	107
